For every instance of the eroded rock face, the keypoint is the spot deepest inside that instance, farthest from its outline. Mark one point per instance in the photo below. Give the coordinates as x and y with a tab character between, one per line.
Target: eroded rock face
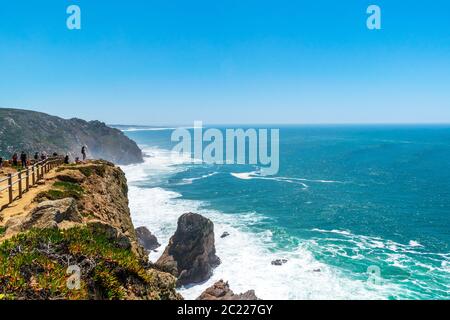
221	291
191	254
49	214
112	234
107	198
147	239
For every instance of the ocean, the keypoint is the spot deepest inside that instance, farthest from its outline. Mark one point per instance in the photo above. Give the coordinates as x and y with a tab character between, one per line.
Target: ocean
358	212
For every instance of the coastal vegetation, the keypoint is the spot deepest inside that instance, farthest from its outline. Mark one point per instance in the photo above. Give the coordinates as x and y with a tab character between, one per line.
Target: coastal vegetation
33	265
73	222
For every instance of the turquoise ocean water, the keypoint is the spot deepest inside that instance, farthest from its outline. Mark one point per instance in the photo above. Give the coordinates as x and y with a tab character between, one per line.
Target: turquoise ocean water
346	199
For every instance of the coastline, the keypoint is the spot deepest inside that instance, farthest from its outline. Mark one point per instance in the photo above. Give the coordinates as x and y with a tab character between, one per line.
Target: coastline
253	242
246	256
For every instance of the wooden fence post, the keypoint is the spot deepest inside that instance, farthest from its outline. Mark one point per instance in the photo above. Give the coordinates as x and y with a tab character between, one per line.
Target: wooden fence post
10	189
33	178
27	180
19	176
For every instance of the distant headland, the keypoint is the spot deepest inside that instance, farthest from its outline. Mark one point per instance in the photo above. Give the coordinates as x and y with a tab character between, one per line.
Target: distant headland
31	132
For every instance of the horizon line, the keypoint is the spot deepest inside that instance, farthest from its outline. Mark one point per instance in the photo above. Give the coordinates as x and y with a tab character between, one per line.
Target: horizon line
287	124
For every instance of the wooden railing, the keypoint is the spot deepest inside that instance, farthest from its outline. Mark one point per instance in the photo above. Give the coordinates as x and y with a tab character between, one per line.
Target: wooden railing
19	183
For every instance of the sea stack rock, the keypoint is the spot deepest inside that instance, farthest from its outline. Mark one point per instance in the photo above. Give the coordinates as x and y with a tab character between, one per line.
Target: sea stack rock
221	291
191	254
147	239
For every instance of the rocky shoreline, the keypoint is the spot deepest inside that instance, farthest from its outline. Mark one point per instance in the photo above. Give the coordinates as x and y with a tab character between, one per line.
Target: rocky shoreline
82	219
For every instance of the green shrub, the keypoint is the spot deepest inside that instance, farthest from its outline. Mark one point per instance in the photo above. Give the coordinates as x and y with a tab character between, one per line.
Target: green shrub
62	190
68	186
38	269
87	171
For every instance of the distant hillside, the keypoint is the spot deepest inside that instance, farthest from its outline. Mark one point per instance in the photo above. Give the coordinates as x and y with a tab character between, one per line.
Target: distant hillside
32	132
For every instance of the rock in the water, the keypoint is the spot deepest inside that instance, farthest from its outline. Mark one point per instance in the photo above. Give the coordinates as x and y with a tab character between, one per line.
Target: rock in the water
147	239
191	254
225	234
221	291
279	262
49	214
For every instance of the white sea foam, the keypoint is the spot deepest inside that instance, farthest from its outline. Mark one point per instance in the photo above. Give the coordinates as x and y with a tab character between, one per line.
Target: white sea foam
205	176
257	175
413	243
246	257
246	254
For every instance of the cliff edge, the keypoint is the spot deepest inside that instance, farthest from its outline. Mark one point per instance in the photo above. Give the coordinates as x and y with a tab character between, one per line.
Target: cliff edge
76	240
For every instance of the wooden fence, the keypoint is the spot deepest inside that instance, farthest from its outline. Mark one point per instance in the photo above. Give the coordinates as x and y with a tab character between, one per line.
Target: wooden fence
19	183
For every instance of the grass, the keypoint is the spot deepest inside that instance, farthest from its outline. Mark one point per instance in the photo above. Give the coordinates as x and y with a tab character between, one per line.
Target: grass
2	230
87	171
33	265
68	186
61	190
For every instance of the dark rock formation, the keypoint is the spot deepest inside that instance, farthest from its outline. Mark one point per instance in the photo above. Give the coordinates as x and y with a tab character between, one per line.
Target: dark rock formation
221	291
32	132
191	254
279	262
147	239
225	234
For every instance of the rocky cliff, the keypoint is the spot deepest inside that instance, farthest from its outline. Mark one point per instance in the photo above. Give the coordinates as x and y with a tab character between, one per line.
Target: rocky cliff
30	131
221	291
78	222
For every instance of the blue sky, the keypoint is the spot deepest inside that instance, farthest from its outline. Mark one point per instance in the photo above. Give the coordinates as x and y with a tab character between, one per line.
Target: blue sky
173	62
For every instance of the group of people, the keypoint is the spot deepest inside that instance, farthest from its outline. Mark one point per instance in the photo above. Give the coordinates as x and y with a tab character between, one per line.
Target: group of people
15	159
24	162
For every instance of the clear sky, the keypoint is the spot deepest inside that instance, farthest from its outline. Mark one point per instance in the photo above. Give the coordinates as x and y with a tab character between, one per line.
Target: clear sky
228	61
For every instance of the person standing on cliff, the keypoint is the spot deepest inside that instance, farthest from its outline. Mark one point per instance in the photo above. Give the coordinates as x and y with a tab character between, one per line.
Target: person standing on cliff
23	159
15	158
1	162
36	157
66	159
83	152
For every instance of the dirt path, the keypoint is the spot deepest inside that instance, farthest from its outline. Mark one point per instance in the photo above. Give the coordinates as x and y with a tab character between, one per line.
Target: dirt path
22	206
